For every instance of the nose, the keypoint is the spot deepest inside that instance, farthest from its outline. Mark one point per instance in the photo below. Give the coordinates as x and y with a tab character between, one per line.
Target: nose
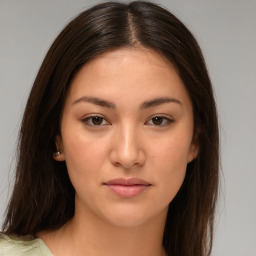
127	151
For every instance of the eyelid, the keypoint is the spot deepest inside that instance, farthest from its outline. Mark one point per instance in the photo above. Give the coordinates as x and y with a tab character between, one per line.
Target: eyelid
90	116
168	119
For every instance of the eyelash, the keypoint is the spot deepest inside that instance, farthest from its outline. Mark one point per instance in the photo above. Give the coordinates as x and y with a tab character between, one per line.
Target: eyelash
89	121
167	120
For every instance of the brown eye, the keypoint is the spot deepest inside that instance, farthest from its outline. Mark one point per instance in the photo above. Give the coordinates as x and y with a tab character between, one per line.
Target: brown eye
157	120
97	120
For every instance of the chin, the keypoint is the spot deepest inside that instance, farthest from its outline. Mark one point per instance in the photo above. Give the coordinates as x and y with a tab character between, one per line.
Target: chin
132	218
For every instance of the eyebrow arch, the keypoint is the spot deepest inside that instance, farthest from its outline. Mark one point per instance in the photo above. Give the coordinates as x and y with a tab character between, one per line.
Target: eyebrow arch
159	101
107	104
96	101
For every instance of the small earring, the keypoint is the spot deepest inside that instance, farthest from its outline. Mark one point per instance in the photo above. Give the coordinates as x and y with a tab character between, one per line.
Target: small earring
57	153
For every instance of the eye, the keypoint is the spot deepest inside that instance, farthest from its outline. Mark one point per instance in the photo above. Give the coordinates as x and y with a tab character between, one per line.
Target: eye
159	121
95	121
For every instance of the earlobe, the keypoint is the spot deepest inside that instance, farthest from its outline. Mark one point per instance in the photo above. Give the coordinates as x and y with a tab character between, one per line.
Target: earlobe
58	155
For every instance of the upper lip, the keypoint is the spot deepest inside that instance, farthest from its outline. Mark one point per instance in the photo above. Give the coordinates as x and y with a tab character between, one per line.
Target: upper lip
127	182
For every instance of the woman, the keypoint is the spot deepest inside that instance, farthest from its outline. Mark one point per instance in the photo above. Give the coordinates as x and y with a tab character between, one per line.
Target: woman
118	151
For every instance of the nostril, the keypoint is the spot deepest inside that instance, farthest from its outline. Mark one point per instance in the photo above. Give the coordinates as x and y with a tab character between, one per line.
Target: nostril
127	161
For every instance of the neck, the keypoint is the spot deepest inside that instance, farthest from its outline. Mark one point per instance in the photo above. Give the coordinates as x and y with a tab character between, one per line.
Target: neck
115	241
87	234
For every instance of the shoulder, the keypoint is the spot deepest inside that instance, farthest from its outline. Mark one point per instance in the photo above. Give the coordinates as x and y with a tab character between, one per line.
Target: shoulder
22	246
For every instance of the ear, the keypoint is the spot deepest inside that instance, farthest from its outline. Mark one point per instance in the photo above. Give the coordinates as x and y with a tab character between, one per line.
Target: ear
193	149
59	155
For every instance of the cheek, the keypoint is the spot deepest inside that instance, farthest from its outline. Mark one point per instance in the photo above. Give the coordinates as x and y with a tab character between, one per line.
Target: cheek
83	157
171	152
173	167
170	160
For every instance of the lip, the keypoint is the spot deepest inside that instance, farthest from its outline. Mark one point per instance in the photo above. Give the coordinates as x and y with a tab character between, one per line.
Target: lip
127	187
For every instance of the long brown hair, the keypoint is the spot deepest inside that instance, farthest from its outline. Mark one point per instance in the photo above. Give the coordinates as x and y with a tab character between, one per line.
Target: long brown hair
43	196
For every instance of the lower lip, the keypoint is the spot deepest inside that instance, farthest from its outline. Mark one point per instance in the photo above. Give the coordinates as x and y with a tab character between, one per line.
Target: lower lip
128	191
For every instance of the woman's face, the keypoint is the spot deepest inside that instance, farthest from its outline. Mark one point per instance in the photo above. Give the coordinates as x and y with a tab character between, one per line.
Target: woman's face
127	136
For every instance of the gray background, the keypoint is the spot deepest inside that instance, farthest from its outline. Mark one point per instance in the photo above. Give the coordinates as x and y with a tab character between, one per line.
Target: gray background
226	31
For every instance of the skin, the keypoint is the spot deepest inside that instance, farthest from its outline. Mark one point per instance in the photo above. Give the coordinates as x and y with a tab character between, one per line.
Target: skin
129	141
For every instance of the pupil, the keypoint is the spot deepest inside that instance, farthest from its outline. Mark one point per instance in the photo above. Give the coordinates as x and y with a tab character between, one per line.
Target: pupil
157	120
96	120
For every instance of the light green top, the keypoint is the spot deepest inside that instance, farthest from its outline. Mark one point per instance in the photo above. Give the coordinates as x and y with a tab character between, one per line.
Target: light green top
22	246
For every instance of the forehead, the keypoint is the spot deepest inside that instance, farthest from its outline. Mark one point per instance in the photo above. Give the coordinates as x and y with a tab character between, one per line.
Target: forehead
124	60
124	72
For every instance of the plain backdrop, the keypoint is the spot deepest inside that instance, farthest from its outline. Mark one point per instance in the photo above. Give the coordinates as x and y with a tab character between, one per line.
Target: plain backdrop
226	31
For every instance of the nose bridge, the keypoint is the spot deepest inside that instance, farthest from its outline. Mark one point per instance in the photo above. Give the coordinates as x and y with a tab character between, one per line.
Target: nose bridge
127	149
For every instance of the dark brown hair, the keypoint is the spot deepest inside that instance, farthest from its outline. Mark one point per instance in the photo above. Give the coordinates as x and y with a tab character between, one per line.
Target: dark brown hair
43	196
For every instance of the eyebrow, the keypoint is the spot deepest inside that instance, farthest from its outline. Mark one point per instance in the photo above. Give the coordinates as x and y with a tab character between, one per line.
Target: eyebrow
158	101
144	105
96	101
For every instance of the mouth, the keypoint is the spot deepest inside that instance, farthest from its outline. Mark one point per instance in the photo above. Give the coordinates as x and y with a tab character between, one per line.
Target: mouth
127	187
